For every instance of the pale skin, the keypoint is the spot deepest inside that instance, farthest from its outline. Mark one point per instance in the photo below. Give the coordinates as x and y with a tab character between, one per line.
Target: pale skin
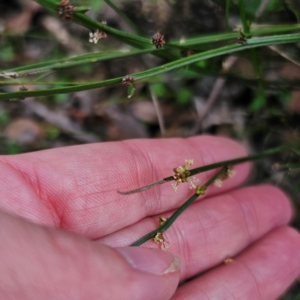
64	229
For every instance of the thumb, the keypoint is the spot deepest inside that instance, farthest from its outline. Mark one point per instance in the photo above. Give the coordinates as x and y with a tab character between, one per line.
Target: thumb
37	262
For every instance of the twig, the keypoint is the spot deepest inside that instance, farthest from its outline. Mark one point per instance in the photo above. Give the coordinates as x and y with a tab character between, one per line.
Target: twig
144	188
230	162
285	55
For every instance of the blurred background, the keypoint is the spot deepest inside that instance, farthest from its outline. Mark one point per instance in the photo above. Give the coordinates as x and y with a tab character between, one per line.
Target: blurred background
252	96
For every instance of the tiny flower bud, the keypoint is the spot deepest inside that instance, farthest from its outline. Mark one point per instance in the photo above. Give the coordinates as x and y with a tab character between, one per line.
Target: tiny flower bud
218	182
127	80
66	10
182	174
159	238
200	190
228	260
97	35
158	40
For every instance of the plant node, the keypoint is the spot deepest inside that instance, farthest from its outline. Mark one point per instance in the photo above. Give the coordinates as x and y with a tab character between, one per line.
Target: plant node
66	10
127	80
22	89
97	35
182	174
242	39
200	190
158	40
229	173
159	238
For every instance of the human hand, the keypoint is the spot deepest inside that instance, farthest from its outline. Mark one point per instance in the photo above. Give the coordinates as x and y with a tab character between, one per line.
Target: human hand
75	188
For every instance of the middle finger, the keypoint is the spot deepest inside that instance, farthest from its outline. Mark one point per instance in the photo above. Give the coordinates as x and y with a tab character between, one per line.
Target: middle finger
216	228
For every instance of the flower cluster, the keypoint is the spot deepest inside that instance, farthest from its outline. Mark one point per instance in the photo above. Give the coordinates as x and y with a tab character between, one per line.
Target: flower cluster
230	172
159	238
182	174
228	260
66	10
97	35
22	89
127	80
158	40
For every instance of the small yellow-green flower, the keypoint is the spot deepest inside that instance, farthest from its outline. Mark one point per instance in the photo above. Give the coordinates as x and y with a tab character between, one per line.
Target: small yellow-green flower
182	174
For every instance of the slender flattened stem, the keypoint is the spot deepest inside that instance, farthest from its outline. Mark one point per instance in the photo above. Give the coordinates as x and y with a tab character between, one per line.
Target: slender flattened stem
230	162
143	188
200	190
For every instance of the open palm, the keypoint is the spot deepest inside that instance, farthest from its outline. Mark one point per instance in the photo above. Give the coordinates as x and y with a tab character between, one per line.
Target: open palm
65	229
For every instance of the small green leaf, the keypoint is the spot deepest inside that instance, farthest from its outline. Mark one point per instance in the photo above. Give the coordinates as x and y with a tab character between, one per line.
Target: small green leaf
82	9
183	96
130	91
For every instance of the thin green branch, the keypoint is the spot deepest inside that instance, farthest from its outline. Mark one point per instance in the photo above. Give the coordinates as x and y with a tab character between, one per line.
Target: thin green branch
239	160
192	43
55	65
243	16
227	14
230	162
178	212
142	43
124	17
252	43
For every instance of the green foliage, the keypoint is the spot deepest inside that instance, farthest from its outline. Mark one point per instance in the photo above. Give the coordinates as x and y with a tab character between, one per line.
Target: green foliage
183	96
130	91
251	6
294	6
14	148
284	96
4	117
61	98
258	102
52	132
159	89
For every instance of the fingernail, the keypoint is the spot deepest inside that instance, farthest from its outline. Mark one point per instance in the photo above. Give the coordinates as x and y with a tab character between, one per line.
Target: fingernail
153	261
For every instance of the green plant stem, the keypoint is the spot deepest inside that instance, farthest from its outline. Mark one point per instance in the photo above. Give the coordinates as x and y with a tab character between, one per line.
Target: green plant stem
141	42
124	17
191	43
243	16
227	14
230	162
252	43
55	65
178	212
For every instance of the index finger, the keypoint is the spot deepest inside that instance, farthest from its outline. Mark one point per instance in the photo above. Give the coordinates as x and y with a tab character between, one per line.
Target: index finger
79	184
